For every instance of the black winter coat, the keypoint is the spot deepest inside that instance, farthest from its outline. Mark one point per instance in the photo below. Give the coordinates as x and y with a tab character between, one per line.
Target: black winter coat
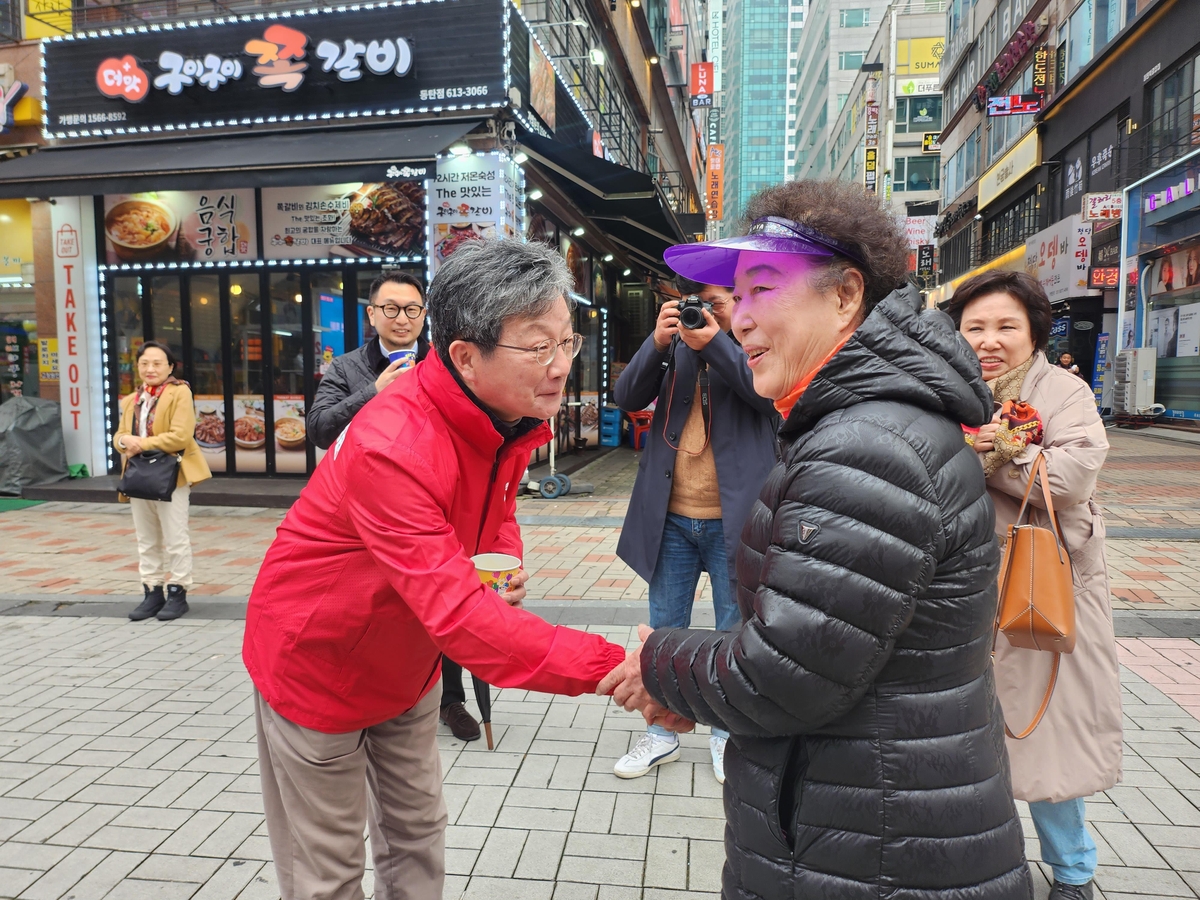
345	389
867	757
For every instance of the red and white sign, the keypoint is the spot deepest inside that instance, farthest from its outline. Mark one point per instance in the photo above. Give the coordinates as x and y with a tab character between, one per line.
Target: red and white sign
77	303
702	84
1102	207
918	230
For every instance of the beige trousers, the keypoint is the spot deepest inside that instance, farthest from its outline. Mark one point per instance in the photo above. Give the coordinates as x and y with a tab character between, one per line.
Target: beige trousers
164	545
318	790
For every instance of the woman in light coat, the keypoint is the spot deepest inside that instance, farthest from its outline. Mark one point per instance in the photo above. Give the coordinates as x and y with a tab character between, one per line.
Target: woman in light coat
160	415
1075	751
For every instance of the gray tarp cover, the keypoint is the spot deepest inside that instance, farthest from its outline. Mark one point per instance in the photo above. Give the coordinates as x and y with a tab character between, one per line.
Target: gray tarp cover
31	444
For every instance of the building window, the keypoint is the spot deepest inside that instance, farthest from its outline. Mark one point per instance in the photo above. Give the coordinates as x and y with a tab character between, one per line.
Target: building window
1174	128
963	166
916	173
841	100
1012	227
957	255
850	59
855	18
918	114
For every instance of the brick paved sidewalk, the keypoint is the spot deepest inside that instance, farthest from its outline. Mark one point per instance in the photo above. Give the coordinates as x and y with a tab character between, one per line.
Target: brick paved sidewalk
128	770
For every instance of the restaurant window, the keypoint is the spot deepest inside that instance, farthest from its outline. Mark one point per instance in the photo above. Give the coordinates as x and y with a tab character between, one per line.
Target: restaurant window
1011	227
246	350
957	255
166	315
130	332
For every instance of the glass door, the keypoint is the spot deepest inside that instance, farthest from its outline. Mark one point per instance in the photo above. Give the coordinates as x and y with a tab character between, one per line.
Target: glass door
246	392
205	367
291	367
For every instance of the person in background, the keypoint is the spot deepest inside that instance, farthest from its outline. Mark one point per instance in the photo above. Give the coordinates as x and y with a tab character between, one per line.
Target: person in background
397	313
1076	749
1067	361
160	415
370	579
867	750
696	482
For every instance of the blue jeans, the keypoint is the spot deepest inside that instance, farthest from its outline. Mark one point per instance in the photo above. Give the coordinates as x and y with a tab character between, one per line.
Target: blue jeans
1066	845
689	547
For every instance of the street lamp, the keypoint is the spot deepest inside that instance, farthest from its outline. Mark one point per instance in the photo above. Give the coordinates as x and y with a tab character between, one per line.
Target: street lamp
654	59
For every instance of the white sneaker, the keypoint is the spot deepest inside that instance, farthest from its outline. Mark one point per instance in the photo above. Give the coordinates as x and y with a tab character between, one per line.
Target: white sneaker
717	746
651	750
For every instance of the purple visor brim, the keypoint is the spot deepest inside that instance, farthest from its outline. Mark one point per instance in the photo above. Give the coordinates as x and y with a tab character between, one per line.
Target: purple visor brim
715	262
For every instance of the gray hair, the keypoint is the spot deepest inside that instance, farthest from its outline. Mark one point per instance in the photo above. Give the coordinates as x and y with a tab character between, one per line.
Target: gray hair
485	283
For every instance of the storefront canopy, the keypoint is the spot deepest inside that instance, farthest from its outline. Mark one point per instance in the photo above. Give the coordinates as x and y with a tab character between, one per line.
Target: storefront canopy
626	204
194	164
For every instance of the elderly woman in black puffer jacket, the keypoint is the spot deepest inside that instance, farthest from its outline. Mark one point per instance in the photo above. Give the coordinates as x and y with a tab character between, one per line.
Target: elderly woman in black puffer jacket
867	753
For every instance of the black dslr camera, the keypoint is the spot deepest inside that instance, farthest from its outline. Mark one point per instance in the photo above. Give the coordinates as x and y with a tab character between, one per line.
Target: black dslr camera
691	312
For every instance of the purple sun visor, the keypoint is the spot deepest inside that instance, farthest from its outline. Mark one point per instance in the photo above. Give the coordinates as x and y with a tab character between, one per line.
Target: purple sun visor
714	262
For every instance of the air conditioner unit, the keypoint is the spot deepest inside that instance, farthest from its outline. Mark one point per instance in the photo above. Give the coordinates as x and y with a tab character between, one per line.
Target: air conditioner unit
1134	391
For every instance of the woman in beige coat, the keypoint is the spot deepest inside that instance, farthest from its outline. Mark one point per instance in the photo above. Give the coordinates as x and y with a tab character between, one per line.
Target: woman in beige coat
1075	751
160	415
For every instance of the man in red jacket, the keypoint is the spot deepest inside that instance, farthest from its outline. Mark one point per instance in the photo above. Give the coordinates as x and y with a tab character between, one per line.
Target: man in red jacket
369	580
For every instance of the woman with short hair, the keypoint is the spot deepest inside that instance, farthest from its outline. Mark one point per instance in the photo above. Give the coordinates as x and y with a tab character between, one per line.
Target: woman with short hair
867	752
160	415
1075	750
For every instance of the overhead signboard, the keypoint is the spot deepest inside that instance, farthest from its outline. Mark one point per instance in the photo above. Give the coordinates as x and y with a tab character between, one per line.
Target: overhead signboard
919	57
910	87
931	142
1010	168
1058	258
871	168
1102	206
387	59
716	39
1014	105
713	134
1104	277
702	84
715	181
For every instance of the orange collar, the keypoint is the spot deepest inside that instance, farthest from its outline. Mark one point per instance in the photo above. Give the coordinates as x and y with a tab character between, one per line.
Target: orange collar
785	404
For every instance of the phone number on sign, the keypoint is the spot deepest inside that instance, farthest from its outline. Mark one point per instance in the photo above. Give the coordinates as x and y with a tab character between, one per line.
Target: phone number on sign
478	90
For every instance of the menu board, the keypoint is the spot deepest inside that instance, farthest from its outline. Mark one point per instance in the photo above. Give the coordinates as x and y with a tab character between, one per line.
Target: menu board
474	197
180	226
291	436
385	218
249	432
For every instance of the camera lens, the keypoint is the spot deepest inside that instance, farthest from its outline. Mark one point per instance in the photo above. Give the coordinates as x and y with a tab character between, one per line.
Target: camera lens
691	317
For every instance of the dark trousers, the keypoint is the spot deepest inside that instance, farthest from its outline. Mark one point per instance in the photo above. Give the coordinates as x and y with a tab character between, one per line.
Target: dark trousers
452	686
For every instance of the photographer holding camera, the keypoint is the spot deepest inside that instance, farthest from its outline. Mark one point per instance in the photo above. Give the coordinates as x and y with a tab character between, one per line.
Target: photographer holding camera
710	447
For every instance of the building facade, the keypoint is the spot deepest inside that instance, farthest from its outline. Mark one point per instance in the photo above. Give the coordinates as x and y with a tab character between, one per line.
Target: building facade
231	186
1057	110
886	134
833	47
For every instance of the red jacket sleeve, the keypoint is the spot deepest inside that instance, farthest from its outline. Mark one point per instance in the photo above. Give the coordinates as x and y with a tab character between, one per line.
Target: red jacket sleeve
415	547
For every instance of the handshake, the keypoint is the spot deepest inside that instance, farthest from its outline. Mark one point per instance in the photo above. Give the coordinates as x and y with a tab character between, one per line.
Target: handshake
625	684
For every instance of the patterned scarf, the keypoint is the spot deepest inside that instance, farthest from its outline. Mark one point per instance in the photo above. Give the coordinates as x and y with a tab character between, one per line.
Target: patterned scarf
148	395
1020	424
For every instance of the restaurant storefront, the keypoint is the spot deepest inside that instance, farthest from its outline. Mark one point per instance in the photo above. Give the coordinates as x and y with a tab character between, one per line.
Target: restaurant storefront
231	188
1161	271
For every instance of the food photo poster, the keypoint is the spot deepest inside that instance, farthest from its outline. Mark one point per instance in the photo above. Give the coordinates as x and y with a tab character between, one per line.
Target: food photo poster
385	218
180	226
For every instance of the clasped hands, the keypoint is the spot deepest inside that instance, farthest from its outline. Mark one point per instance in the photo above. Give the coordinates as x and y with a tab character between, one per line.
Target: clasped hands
625	684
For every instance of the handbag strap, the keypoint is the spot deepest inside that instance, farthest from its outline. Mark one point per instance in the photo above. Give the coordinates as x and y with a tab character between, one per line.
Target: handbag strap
1037	719
1040	476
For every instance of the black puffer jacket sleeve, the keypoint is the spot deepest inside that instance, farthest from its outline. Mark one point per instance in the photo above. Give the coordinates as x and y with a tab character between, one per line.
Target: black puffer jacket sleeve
844	536
336	402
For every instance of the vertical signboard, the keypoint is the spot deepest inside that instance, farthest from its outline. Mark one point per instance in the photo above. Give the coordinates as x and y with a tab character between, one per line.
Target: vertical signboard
715	181
871	157
713	135
716	38
702	84
77	303
1099	367
473	197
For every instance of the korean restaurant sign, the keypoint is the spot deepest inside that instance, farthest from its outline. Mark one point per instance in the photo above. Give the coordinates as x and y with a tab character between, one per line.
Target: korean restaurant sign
714	178
474	197
390	59
1059	257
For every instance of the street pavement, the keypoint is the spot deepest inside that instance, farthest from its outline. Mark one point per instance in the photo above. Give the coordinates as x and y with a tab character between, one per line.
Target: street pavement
128	766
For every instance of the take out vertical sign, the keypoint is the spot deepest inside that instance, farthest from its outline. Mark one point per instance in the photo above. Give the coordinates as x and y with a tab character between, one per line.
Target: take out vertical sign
77	307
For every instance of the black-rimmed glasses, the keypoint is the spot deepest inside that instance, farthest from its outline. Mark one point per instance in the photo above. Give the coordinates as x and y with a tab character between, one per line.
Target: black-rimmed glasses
547	350
412	310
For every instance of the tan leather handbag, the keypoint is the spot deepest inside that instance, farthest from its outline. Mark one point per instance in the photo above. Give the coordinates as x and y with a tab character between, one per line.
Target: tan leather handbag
1036	609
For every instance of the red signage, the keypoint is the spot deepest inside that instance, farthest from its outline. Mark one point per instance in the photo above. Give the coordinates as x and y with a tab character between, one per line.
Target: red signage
702	84
1101	277
1014	105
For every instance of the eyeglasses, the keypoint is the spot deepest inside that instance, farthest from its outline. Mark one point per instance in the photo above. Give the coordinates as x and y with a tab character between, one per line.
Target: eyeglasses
413	311
547	350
